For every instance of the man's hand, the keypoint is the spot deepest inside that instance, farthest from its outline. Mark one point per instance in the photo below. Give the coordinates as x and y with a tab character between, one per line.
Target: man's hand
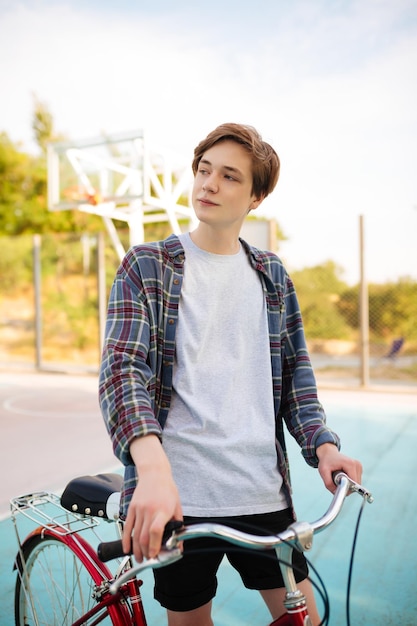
331	460
155	500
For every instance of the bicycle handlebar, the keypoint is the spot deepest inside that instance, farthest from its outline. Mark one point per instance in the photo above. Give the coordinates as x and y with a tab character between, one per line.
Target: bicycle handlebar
299	534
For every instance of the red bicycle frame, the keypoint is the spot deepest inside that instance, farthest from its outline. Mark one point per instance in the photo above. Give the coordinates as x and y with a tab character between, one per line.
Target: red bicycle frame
293	617
101	575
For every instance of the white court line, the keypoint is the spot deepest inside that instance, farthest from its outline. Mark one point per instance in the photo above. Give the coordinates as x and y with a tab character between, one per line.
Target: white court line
8	405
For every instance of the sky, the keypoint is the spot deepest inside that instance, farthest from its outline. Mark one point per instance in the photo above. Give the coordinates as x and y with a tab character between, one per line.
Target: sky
331	84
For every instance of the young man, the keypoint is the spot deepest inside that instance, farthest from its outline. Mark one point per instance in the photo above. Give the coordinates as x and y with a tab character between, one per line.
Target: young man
204	361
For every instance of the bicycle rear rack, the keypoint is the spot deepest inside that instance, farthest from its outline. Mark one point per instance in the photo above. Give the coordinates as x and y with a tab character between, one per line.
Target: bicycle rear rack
44	509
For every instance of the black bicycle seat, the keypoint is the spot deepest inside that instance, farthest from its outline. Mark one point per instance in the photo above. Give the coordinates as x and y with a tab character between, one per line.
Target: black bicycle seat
97	495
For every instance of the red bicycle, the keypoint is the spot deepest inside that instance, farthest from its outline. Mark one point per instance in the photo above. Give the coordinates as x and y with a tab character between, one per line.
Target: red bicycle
62	578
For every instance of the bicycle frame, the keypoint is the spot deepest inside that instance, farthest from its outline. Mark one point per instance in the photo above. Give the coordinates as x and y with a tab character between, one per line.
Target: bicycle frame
297	617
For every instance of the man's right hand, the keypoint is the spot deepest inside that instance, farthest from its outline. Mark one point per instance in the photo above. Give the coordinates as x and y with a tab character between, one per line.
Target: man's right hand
155	500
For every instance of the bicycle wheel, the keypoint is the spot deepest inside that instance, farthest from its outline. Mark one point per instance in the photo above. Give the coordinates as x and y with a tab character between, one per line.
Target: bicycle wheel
55	586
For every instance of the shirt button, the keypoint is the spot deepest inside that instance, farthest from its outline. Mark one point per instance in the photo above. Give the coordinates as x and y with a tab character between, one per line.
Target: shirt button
176	281
171	321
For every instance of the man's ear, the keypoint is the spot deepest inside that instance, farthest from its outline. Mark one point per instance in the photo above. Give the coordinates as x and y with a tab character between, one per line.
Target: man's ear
255	203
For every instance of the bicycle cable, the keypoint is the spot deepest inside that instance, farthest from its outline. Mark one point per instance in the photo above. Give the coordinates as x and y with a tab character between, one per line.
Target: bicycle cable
349	583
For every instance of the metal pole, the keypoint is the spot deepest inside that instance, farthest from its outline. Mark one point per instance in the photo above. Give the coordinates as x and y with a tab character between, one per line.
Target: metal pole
363	309
38	299
101	288
111	229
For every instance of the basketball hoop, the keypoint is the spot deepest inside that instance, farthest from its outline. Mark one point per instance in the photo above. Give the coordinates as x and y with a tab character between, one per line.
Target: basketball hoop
120	177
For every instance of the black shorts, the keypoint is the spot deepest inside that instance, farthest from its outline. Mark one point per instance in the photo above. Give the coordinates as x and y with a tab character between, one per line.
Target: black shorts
191	582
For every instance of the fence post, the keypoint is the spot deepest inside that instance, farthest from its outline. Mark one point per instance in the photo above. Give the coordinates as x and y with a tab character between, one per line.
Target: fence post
101	289
38	299
363	309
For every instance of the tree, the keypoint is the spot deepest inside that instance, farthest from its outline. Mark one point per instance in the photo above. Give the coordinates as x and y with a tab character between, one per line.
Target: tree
319	289
21	186
23	196
42	124
392	309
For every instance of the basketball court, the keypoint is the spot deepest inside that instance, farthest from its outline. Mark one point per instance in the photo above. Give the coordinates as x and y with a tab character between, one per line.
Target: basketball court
52	430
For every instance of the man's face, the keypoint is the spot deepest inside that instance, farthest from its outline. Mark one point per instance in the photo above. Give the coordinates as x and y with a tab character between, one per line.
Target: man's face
222	192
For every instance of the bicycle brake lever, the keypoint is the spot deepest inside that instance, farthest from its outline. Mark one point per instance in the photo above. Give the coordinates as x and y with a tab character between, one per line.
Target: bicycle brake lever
362	492
354	487
166	556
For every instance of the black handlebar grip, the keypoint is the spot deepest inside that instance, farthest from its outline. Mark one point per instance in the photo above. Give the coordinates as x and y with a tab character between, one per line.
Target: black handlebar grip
170	527
110	550
336	474
113	549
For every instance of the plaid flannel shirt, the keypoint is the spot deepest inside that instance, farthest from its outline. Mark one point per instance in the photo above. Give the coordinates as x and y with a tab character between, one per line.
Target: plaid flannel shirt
138	357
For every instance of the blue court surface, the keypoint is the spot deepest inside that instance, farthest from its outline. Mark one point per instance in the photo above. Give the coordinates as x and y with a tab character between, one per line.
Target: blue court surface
377	427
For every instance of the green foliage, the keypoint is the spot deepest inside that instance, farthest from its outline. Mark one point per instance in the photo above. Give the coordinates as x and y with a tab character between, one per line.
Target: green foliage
71	319
330	308
23	197
42	124
319	290
348	306
320	278
21	188
393	309
16	263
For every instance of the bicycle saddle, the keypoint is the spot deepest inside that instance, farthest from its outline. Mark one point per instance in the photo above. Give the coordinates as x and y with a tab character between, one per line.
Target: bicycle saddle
94	495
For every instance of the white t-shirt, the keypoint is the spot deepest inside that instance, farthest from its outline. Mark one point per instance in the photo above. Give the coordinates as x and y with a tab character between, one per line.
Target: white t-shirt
220	431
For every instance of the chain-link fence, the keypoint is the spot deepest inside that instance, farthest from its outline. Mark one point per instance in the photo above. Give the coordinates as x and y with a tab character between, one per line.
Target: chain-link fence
342	349
53	290
54	293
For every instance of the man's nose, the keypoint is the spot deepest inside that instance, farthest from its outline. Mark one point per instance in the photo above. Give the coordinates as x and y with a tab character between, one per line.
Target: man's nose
211	183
